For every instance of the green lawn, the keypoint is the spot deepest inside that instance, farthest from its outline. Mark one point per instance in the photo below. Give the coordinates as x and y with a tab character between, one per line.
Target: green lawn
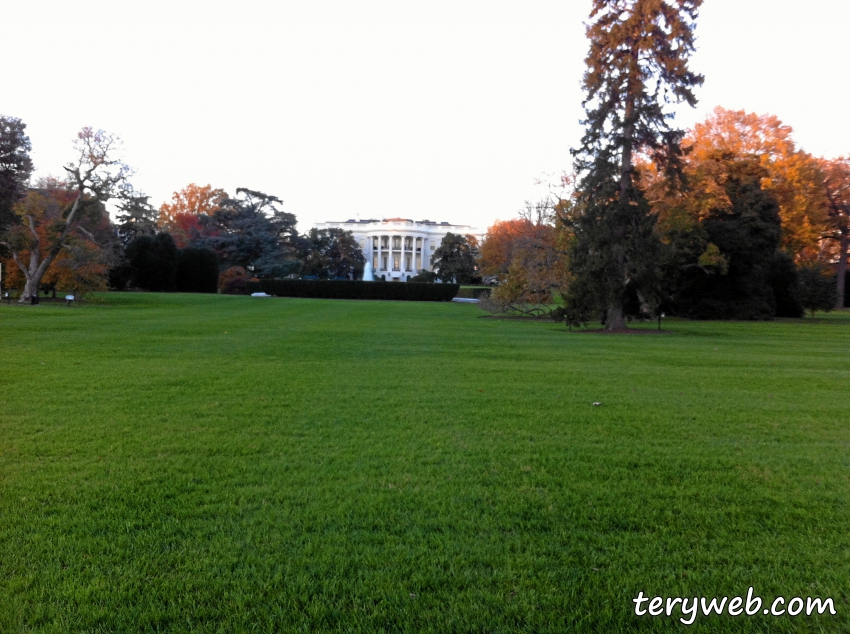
174	463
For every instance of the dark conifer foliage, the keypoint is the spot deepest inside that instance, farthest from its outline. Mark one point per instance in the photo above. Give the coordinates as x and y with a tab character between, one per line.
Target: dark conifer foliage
153	263
197	271
139	260
638	63
252	232
136	217
747	238
15	166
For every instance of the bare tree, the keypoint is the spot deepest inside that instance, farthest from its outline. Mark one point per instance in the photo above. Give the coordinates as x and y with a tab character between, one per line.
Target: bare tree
94	176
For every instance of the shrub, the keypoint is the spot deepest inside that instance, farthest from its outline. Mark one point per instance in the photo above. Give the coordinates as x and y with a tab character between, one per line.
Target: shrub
234	281
424	276
197	271
345	289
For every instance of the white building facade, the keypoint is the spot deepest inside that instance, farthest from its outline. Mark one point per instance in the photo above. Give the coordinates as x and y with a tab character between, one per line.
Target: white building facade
399	248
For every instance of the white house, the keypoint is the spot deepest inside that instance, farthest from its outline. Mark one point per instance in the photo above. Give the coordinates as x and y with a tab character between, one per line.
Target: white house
399	248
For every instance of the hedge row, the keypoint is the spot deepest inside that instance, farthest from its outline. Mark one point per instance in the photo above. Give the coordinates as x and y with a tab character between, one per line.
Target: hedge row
474	292
328	289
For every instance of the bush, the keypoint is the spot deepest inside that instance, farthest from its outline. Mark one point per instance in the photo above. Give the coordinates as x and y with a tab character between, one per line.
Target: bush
424	275
234	281
119	276
197	271
345	289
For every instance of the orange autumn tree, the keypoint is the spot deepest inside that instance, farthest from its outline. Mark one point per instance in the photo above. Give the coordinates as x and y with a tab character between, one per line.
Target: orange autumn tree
82	265
181	216
498	246
527	255
794	177
95	176
836	242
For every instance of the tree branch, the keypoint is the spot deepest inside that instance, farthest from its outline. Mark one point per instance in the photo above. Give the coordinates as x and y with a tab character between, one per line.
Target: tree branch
20	266
32	228
90	237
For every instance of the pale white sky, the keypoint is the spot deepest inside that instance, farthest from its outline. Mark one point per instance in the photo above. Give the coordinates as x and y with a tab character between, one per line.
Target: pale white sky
440	110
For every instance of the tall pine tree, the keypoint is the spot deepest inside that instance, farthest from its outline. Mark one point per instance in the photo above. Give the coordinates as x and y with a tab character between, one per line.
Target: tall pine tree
637	64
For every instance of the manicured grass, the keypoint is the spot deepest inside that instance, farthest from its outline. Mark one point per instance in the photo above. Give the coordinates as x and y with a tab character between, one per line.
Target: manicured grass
174	463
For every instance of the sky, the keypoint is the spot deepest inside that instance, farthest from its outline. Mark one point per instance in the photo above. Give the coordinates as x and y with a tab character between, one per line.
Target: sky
451	111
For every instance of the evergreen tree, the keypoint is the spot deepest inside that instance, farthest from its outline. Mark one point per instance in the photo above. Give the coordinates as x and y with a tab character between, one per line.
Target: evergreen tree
136	217
15	167
638	62
252	232
153	263
197	271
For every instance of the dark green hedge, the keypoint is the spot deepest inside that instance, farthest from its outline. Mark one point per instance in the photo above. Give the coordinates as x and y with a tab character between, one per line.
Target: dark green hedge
328	289
474	292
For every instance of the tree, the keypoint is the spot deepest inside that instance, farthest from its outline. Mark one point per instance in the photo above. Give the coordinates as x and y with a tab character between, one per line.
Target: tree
837	185
638	61
138	254
498	246
163	263
153	263
455	259
817	288
15	167
794	177
252	232
528	258
136	217
332	253
197	271
82	265
181	217
94	177
727	253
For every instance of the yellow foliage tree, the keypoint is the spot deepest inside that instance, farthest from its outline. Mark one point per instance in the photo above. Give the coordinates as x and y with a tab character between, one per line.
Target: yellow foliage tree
794	177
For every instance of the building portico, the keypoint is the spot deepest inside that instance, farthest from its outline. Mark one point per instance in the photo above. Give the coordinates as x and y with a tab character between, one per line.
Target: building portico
399	248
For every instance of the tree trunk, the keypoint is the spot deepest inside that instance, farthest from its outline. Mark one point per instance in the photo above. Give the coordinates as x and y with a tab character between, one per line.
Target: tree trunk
34	274
36	270
615	319
842	268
